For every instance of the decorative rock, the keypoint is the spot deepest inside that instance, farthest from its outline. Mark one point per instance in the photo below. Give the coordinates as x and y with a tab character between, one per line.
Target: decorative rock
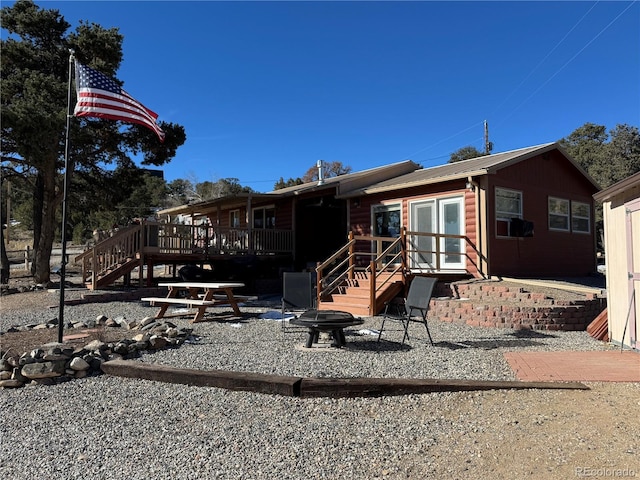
142	337
96	345
52	357
43	370
150	326
110	322
96	363
147	321
17	375
138	346
53	347
55	362
5	365
121	321
121	348
78	364
157	342
37	353
11	383
26	359
172	332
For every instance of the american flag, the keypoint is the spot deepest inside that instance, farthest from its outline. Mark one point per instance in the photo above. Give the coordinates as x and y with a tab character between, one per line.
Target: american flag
99	96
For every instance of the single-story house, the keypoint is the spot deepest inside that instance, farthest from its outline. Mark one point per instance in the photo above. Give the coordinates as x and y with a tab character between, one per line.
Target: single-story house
523	213
527	213
621	212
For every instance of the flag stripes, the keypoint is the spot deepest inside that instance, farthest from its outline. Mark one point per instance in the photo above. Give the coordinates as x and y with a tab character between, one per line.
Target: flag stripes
101	97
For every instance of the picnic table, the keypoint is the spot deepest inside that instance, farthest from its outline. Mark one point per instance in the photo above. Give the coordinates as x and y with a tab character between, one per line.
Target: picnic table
198	295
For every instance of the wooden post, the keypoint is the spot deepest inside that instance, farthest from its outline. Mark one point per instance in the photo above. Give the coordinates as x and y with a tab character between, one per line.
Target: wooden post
318	285
351	257
94	268
372	288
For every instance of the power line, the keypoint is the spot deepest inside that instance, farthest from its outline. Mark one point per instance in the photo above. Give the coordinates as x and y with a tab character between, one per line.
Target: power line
545	57
569	61
443	140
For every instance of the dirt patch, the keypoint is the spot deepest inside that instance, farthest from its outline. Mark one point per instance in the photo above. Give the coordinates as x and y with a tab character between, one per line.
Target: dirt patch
17	343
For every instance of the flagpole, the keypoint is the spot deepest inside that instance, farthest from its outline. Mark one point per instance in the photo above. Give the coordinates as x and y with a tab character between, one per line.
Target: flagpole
67	175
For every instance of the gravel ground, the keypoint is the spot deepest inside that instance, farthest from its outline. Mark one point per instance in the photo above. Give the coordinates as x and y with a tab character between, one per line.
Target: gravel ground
111	427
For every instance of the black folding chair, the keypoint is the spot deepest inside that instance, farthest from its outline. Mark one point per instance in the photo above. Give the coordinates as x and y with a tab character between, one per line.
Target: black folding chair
298	296
418	299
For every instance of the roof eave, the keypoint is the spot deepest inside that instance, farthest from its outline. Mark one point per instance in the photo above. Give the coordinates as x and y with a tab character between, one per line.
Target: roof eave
406	185
617	188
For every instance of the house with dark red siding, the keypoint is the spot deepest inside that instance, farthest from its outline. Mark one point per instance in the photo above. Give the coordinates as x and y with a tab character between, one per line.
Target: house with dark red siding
527	212
523	213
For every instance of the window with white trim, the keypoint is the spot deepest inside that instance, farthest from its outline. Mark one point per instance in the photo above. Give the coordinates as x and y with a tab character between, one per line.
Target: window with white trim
558	214
508	206
580	217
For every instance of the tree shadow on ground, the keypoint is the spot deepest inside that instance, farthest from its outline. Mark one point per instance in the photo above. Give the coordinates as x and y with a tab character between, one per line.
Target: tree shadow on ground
376	346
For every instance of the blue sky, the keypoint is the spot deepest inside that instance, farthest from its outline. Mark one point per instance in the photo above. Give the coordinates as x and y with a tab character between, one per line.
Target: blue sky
265	89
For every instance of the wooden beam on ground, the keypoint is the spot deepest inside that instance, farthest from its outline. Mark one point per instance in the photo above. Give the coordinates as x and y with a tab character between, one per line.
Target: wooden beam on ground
314	387
374	387
242	381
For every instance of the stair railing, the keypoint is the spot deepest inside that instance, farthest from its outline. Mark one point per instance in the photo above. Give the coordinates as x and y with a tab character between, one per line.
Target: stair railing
328	282
344	263
394	265
124	245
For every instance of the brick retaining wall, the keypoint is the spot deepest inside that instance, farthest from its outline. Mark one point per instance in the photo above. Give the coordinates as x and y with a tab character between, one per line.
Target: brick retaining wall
487	305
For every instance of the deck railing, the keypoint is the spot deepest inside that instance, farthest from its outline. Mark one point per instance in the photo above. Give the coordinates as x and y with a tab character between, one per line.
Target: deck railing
190	239
156	238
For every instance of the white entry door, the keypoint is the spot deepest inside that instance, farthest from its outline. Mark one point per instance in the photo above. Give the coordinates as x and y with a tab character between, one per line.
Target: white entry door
422	248
443	216
452	223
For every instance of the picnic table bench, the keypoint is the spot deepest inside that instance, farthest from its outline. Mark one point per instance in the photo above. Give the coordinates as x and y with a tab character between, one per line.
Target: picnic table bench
214	294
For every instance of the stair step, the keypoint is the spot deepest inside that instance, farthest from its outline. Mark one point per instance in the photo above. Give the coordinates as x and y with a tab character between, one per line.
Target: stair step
344	307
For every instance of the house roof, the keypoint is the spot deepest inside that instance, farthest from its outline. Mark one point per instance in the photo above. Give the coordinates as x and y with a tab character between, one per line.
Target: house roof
617	188
346	182
466	168
230	201
350	181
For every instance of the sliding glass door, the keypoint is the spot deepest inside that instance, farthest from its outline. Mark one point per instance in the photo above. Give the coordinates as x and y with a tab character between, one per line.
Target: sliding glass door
437	216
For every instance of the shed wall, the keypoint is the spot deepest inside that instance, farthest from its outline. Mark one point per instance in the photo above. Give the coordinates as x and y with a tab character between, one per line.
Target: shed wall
623	316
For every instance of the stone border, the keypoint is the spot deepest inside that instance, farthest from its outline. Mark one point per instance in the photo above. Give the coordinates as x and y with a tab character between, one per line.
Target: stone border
56	362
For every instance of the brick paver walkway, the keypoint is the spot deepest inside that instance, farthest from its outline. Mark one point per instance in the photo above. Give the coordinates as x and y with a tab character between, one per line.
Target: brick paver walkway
592	366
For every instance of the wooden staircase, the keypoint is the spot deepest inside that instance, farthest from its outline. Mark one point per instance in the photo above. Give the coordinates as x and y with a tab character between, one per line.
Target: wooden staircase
115	272
354	295
112	259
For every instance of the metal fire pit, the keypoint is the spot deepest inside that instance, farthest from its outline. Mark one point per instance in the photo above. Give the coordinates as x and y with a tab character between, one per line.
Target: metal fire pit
326	321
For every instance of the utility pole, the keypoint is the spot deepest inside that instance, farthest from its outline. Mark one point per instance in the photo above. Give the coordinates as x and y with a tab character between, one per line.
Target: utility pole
488	146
